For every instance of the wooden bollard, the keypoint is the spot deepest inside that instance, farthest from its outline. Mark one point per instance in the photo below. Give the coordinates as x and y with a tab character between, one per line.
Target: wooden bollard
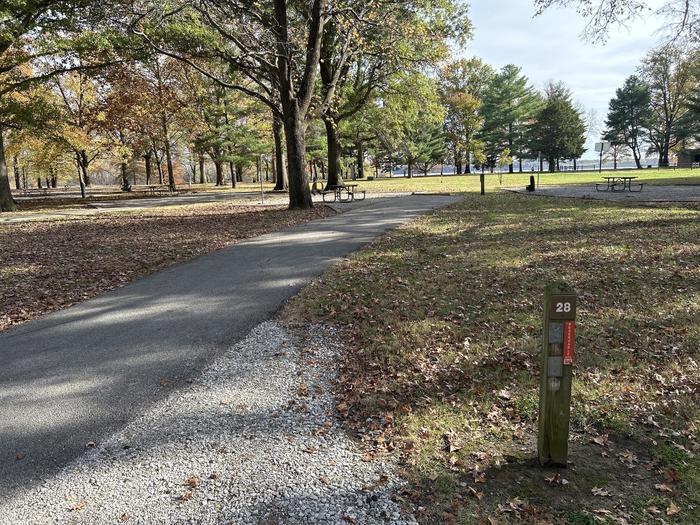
556	372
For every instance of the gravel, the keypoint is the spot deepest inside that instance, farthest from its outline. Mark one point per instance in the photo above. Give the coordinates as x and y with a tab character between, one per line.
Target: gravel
253	440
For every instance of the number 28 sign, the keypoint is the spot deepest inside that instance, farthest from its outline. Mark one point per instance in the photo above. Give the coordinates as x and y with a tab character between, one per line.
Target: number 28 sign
563	307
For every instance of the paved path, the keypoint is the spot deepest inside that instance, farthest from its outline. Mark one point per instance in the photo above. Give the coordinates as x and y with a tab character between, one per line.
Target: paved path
76	376
650	193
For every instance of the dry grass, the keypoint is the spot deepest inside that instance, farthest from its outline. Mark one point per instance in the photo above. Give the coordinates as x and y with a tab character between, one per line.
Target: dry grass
444	316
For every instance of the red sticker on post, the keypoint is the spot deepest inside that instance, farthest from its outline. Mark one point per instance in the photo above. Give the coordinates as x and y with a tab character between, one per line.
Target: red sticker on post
569	335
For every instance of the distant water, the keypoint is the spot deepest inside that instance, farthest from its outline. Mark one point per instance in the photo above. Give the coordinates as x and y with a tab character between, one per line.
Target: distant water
534	166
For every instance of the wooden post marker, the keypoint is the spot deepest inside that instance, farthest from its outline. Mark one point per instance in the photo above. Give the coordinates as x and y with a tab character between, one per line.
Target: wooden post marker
555	384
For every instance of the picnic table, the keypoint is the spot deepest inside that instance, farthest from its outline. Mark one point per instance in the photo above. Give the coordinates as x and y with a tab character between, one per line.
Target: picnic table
349	189
618	183
159	189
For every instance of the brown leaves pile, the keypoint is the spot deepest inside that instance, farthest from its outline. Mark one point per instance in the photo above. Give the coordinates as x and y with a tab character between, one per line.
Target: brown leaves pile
50	265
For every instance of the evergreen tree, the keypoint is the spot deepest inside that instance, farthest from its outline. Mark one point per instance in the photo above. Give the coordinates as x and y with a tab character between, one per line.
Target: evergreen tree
629	117
430	148
509	105
558	130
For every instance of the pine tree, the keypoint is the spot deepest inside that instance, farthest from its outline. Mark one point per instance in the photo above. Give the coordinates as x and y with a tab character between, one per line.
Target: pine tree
629	117
558	130
509	105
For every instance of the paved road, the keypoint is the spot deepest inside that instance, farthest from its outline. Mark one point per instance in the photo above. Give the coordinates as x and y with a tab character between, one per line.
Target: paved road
78	375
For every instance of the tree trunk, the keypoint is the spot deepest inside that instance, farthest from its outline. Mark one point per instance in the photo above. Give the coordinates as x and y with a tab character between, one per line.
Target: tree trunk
520	165
15	165
232	170
281	183
149	169
410	169
201	169
663	158
637	158
296	103
84	164
125	177
333	141
7	203
219	173
81	181
552	164
360	160
299	192
39	184
169	161
239	172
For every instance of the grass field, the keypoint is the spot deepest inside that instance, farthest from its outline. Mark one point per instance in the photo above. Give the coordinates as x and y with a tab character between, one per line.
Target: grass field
470	183
448	183
442	369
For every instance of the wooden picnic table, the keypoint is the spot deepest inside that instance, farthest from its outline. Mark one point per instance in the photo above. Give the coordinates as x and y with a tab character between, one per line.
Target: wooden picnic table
349	189
613	182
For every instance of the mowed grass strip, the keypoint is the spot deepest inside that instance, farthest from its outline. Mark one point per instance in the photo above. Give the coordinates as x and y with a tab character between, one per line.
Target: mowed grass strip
443	319
49	265
495	181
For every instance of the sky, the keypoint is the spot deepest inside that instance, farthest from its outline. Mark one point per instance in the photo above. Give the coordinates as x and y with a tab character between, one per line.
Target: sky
550	47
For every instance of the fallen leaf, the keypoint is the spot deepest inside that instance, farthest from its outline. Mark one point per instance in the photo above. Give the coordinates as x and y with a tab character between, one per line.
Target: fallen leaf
663	487
80	505
505	394
670	474
186	496
556	479
193	482
124	517
672	509
20	456
475	493
600	440
596	491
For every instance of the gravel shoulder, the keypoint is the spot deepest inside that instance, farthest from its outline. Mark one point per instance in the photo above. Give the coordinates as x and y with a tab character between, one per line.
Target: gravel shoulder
254	439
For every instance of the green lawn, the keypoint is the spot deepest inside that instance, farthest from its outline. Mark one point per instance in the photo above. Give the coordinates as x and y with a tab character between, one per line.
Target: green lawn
470	183
444	320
